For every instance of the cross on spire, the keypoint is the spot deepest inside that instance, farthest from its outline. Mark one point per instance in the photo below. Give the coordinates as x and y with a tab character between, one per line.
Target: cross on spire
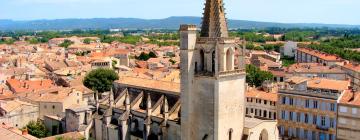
214	22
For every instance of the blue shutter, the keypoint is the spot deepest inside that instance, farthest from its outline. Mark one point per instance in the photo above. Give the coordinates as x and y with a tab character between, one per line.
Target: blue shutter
310	116
327	121
318	122
287	100
323	106
311	104
302	117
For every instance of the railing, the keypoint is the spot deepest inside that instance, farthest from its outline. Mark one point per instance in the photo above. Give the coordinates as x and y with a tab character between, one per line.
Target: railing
226	73
309	93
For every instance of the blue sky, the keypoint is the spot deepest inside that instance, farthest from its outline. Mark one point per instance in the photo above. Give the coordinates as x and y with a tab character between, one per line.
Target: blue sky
287	11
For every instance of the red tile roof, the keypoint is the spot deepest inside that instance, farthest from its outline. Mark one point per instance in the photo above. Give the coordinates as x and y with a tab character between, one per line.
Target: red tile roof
18	86
321	55
350	98
259	94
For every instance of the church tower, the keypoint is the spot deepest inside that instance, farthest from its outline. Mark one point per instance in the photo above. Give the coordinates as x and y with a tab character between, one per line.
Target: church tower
212	79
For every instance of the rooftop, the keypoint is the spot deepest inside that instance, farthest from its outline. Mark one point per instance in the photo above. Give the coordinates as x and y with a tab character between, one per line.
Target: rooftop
259	94
313	68
150	84
350	98
11	133
18	86
321	55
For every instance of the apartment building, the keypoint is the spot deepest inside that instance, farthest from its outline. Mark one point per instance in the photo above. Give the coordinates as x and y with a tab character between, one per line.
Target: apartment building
349	116
307	108
353	72
307	55
261	104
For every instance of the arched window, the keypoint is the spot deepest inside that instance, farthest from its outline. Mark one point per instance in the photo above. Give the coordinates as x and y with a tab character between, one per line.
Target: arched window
213	62
264	135
205	137
202	62
229	60
230	133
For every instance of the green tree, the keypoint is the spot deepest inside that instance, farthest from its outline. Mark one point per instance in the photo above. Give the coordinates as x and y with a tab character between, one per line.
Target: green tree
33	41
255	76
66	43
100	79
87	40
152	55
36	128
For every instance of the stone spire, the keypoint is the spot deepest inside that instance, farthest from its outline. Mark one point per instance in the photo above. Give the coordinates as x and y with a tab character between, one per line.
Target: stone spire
214	22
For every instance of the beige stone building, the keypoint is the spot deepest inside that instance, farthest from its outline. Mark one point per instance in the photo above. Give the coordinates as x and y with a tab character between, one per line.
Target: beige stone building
349	116
353	72
259	129
307	55
261	104
315	70
307	108
18	113
53	102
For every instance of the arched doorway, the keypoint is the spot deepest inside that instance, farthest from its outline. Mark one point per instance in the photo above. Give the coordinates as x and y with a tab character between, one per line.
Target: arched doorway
264	135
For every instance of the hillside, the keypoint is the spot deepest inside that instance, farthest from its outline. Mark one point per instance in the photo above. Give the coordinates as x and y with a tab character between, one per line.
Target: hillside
134	23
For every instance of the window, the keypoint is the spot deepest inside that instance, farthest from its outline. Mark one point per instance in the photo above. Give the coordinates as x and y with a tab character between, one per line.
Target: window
332	107
265	113
247	111
331	122
314	119
274	115
343	109
284	100
53	107
342	120
256	112
307	103
298	117
252	110
305	134
354	111
315	104
260	112
270	115
291	101
291	116
323	123
306	118
283	114
45	106
265	102
230	133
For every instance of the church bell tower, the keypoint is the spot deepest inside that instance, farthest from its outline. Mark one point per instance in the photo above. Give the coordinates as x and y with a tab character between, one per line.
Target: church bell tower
212	79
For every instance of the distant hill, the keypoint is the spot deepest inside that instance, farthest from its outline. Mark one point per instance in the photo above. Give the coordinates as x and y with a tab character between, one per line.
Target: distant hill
135	23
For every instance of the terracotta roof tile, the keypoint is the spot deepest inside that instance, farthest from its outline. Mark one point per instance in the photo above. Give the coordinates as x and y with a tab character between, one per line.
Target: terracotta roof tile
350	98
259	94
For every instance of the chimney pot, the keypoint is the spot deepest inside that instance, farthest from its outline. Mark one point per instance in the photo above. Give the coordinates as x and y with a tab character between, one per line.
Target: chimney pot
24	132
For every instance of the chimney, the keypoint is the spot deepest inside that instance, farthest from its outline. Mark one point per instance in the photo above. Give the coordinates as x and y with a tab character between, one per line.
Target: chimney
24	131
